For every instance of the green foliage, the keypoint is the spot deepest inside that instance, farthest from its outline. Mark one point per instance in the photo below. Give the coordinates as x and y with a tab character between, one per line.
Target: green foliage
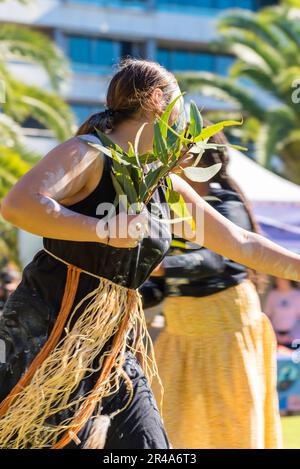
12	167
196	122
22	43
291	3
138	176
8	241
202	174
22	101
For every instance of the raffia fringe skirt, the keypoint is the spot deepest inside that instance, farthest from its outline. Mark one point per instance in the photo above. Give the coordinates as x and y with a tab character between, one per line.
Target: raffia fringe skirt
47	387
217	362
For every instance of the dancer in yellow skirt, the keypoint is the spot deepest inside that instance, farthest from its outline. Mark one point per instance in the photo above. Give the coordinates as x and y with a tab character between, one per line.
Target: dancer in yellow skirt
217	354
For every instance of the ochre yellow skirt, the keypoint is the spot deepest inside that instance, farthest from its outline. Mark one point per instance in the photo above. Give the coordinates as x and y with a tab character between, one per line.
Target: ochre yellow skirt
217	361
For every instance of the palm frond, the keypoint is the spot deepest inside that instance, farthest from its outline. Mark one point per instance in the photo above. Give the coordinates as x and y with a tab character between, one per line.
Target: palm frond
12	167
274	129
32	46
255	74
11	137
289	149
287	26
222	88
249	22
247	47
8	241
23	101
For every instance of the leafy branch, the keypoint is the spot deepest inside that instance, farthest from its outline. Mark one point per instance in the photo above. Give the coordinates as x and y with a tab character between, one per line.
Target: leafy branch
138	175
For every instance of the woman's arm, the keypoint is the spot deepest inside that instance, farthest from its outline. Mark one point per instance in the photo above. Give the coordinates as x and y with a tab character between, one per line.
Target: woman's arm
194	265
65	175
227	239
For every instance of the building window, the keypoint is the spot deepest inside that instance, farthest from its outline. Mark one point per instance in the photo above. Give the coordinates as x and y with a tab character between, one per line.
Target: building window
220	4
114	3
223	64
96	52
183	60
246	4
99	55
132	49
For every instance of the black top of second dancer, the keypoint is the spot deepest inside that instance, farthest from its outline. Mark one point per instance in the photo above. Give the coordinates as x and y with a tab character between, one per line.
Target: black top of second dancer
198	271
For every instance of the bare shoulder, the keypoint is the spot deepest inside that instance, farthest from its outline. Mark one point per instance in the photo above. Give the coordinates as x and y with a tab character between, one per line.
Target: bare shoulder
67	173
81	166
73	150
75	157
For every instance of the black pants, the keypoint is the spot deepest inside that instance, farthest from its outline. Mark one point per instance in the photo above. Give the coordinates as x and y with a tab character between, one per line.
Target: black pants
139	426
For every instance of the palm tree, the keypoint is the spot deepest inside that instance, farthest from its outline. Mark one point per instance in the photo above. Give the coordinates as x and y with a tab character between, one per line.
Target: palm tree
13	165
291	3
22	101
267	50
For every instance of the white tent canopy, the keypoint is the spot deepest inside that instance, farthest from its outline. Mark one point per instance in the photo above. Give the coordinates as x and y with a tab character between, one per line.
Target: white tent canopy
276	202
259	184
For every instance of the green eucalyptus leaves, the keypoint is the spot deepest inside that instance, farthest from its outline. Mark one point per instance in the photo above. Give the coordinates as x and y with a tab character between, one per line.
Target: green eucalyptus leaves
170	147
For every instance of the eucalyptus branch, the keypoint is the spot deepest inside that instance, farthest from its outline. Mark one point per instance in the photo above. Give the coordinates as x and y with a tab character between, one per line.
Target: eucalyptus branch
167	173
170	148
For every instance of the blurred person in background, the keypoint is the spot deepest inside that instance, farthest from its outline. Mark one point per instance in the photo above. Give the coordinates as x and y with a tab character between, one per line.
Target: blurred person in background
217	354
10	278
282	306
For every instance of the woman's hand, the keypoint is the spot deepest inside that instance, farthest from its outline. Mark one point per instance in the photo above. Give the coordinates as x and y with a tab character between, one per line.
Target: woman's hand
124	230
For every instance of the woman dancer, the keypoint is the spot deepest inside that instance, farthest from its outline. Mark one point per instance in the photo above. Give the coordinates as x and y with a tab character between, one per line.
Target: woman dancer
220	391
74	327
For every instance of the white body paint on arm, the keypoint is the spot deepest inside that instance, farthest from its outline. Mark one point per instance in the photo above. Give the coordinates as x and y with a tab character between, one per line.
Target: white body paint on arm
38	202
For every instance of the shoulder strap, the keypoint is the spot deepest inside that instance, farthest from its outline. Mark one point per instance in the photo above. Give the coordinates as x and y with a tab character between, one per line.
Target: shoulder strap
95	139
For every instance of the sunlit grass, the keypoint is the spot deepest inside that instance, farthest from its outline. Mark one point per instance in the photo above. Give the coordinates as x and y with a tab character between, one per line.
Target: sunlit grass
291	432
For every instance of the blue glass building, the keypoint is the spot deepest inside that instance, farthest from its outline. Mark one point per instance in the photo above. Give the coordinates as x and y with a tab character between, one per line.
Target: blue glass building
95	34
